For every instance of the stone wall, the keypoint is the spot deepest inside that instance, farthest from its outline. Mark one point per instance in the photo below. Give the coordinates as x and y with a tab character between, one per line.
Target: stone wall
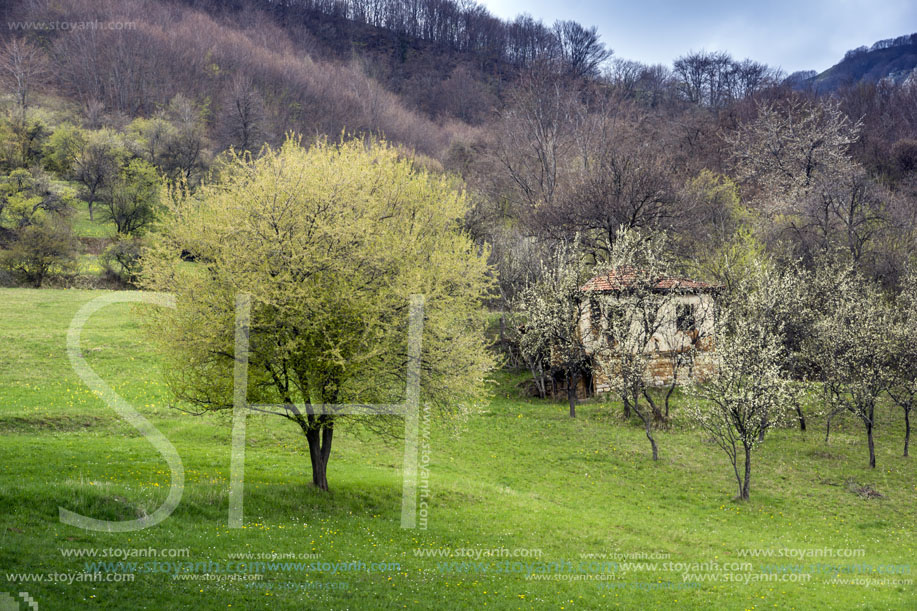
659	371
668	343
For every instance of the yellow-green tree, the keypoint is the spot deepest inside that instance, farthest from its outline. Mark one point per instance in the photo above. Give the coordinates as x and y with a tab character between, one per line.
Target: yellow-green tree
330	241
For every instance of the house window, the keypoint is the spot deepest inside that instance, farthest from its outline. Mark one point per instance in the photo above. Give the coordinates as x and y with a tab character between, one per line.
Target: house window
615	323
595	314
685	319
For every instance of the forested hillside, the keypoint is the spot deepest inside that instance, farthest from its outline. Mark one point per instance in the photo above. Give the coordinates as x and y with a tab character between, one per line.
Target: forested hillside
551	133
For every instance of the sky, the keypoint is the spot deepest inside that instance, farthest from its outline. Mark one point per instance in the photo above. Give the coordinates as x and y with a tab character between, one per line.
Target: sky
790	34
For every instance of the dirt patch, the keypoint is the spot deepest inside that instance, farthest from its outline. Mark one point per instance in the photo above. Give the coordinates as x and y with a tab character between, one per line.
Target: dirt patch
20	424
94	246
823	454
865	491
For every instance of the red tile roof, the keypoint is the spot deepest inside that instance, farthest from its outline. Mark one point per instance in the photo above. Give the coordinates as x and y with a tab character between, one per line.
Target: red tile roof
621	278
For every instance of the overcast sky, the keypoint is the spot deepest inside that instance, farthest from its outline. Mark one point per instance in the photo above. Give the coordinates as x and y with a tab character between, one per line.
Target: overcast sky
791	34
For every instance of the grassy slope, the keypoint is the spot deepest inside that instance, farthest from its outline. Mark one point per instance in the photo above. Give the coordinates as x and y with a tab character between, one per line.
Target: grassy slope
95	228
519	475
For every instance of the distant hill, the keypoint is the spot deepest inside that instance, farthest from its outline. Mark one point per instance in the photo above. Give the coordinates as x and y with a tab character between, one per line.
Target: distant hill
893	58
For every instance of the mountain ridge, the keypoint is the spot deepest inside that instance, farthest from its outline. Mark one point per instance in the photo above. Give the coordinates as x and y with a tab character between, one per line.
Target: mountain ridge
890	58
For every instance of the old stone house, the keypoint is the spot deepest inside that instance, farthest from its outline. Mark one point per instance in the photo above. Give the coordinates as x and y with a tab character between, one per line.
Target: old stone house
680	349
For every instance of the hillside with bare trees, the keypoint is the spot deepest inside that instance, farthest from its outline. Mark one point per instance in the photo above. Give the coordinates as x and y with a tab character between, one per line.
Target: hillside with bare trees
552	135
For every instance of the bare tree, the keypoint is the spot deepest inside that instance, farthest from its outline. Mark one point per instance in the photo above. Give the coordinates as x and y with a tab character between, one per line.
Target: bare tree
655	85
23	68
702	77
535	140
464	97
844	212
96	163
624	75
93	111
580	48
628	184
186	147
715	79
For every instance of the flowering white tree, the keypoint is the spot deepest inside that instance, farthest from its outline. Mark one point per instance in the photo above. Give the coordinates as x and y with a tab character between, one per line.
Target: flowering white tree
635	318
748	393
902	386
854	347
550	310
790	148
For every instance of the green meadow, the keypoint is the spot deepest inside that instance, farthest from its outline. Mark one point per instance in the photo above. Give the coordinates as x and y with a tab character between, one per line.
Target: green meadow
528	508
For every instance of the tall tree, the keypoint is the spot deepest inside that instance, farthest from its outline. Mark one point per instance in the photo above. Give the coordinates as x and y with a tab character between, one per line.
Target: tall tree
243	115
131	198
326	240
626	185
789	148
536	138
23	67
580	49
96	164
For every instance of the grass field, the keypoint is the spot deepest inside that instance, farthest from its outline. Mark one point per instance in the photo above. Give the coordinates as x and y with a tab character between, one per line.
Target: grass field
95	228
565	499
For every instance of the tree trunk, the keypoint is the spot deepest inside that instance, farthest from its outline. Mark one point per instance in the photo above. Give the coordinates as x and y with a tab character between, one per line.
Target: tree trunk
735	469
907	429
872	447
571	394
649	435
801	417
743	494
657	414
668	395
539	381
649	432
319	436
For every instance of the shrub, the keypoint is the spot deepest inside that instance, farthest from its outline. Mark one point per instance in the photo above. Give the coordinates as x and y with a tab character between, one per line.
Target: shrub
120	260
42	249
